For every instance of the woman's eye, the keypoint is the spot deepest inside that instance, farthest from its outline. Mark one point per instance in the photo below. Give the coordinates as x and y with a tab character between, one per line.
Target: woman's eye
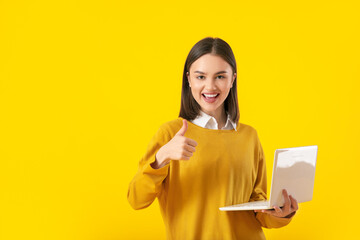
202	77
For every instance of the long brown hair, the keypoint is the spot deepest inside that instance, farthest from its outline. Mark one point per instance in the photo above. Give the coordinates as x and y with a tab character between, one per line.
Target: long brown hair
190	109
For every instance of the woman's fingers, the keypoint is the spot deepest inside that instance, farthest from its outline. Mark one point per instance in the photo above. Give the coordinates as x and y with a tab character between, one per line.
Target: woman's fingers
278	210
190	148
287	203
186	153
294	203
191	142
289	208
271	212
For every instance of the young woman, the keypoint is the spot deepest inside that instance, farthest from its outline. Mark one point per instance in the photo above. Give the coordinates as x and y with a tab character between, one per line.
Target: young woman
206	158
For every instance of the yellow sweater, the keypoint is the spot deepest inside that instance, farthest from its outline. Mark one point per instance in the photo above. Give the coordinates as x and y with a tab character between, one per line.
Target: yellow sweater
228	167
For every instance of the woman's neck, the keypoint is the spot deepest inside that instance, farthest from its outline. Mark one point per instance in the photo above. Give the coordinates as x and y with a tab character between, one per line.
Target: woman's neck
220	117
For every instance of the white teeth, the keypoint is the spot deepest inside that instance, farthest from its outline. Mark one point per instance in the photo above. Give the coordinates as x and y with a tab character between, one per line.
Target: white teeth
214	95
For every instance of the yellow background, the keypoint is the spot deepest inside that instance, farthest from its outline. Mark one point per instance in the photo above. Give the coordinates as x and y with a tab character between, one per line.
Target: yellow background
84	85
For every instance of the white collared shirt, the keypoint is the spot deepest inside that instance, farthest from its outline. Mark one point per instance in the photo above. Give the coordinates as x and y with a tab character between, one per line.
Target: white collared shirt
206	121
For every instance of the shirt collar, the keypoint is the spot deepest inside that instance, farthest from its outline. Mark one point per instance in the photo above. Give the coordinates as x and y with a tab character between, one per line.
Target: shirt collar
206	121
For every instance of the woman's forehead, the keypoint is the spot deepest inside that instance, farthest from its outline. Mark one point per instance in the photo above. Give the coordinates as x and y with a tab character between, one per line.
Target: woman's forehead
210	63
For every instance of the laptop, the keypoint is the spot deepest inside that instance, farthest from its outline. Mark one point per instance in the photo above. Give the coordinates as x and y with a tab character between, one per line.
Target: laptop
294	170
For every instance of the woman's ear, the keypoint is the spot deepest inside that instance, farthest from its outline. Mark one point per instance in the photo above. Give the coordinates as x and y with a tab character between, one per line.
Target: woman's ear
233	79
187	75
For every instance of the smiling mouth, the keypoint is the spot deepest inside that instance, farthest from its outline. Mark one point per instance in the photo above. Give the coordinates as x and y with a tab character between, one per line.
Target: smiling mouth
207	97
210	100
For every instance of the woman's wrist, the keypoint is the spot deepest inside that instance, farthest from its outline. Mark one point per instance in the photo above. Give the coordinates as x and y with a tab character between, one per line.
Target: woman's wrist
160	160
290	215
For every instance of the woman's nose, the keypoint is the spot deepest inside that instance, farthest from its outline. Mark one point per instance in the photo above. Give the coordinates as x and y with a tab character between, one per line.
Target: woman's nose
210	84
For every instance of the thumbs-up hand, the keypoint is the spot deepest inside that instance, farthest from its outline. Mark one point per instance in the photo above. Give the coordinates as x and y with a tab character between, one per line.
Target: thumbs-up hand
178	148
183	129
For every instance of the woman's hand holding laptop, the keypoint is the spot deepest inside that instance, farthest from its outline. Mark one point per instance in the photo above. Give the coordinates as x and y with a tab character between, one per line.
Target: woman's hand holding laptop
287	211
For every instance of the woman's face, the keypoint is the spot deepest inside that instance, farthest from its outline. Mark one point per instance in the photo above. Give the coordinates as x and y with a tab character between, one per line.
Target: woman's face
210	75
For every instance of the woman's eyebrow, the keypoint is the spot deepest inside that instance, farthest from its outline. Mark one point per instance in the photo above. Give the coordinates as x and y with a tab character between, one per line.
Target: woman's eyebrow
215	73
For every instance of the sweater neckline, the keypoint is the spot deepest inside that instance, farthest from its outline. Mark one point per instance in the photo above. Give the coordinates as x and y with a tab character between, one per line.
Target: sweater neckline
213	130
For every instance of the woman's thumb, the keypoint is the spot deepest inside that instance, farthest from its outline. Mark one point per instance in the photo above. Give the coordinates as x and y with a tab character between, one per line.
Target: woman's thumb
182	130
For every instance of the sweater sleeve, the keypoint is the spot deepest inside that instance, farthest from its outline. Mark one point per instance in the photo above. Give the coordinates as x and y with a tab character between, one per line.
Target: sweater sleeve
259	192
147	182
